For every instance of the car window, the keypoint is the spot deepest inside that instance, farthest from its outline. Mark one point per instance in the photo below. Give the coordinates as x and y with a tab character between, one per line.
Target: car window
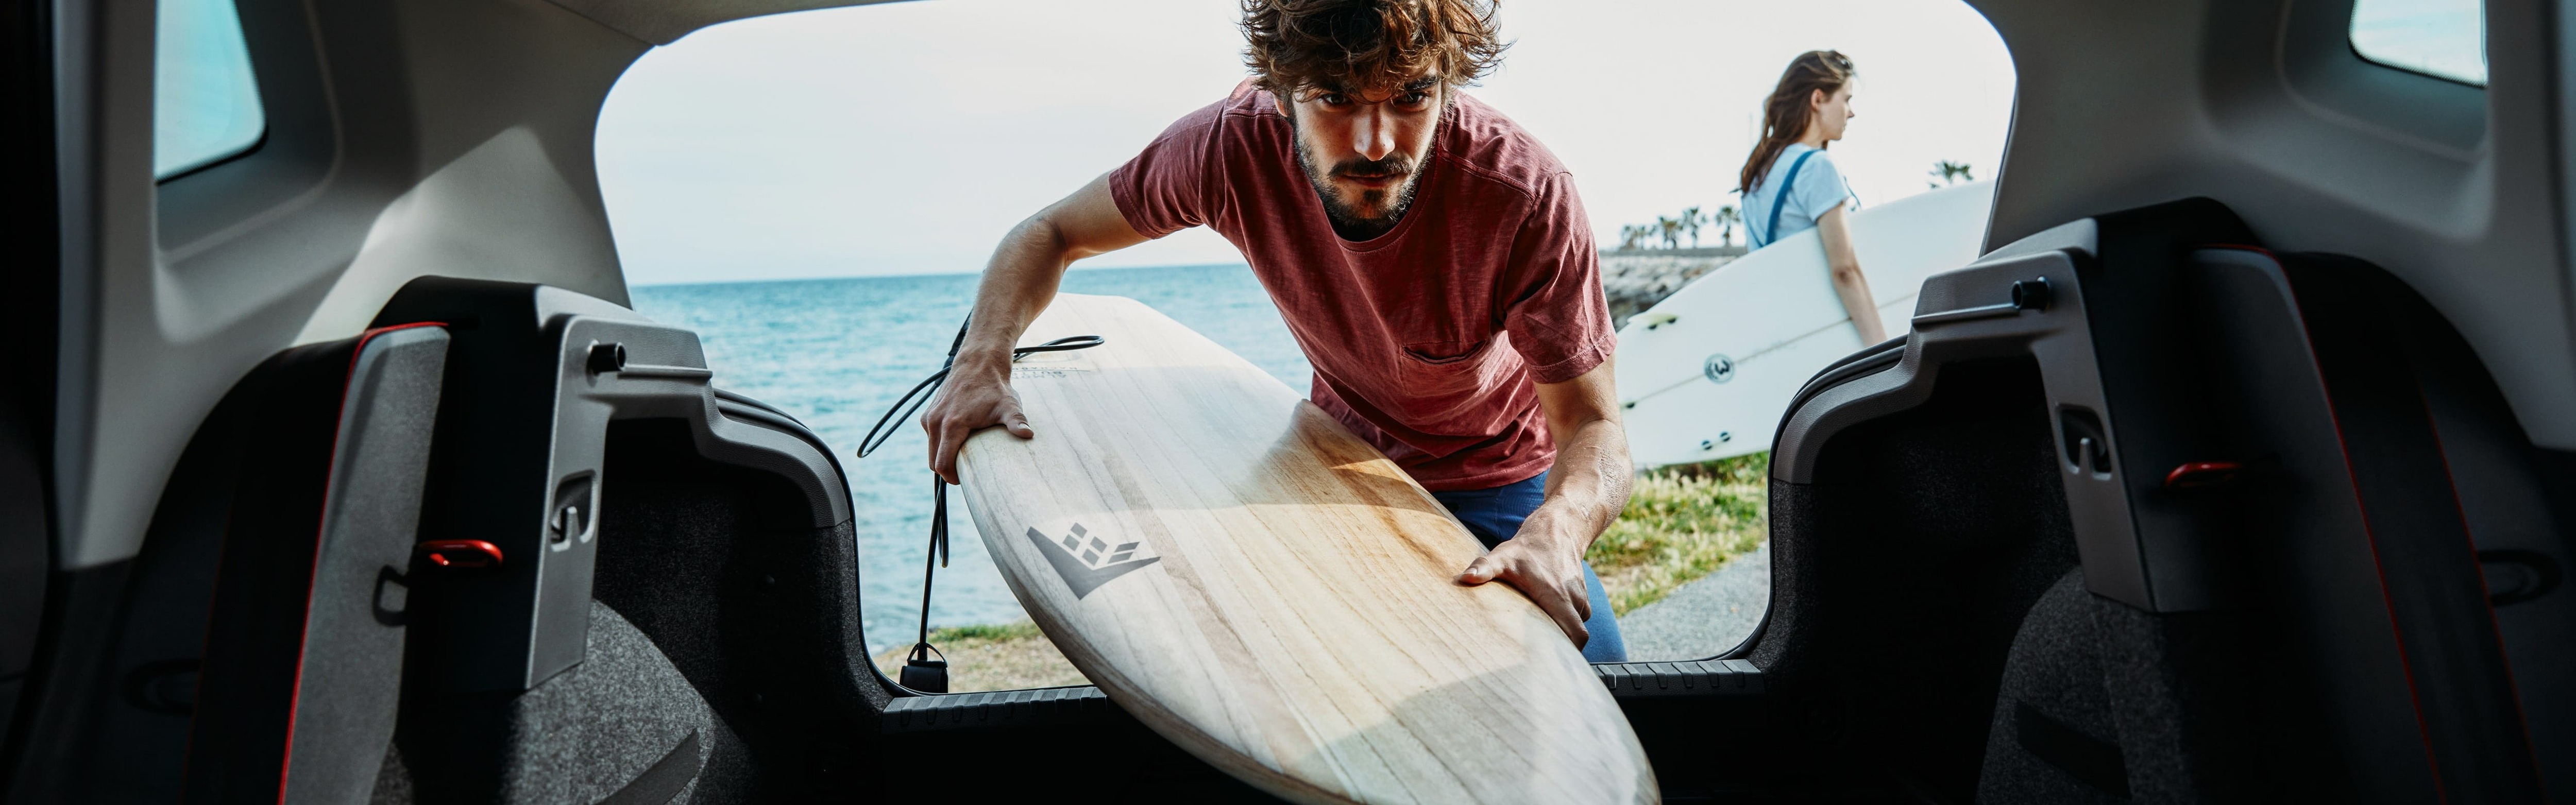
2440	38
205	101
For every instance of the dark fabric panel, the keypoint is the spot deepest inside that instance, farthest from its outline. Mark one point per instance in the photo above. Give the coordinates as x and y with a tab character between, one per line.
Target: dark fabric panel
2165	692
665	781
1902	573
393	780
578	737
2179	695
763	621
2055	673
2091	761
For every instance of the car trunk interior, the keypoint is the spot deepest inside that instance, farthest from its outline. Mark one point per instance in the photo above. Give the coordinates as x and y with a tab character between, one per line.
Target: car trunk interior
2238	469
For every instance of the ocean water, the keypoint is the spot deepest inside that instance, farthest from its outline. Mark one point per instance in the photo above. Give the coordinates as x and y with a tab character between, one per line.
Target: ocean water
837	352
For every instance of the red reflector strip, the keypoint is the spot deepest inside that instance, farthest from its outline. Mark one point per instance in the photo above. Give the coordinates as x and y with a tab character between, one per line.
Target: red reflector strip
461	553
2200	474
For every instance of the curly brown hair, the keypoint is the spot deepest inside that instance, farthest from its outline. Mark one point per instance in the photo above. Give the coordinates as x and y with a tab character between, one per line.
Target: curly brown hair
1359	45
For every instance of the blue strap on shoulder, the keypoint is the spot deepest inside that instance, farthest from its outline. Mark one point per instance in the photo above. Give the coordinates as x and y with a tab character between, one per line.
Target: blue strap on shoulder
1771	232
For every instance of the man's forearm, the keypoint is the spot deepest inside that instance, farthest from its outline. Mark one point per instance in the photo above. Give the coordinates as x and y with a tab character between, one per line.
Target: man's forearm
1017	285
1022	276
1590	481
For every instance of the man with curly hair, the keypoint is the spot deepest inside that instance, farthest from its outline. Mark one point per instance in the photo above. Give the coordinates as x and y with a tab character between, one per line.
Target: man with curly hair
1431	258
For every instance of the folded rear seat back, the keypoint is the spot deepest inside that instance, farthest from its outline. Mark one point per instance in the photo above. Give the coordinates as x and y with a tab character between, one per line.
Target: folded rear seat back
2293	493
2520	520
2372	338
302	672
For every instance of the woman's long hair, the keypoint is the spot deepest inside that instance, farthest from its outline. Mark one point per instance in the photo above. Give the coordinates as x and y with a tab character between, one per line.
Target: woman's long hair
1786	114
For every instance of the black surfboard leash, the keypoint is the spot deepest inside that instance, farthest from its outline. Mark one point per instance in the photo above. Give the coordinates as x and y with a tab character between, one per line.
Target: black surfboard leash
920	672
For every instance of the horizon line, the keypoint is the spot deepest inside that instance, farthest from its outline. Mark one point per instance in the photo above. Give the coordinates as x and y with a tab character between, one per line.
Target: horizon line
912	275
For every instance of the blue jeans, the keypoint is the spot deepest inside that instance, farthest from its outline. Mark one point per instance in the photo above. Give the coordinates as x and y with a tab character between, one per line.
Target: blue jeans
1494	515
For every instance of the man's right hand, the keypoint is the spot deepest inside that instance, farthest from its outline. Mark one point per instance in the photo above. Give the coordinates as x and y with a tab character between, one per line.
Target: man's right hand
977	395
1017	285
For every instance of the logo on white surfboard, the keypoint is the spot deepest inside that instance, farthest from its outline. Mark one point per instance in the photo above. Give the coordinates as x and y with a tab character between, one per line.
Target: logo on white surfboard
1085	560
1718	368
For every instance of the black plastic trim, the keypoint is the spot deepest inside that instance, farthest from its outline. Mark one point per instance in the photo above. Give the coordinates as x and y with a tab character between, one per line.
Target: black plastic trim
1030	706
1657	680
1081	703
1874	359
739	399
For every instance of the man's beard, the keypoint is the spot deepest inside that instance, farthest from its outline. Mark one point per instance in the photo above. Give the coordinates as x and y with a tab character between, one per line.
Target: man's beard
1349	221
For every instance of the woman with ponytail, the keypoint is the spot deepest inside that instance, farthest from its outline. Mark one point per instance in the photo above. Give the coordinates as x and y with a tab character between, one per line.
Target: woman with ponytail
1790	185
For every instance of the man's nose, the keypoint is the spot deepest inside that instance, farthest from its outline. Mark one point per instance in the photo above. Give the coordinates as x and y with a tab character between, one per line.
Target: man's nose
1373	134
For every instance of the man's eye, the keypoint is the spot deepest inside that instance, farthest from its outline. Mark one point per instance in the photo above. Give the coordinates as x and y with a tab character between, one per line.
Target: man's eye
1415	99
1335	99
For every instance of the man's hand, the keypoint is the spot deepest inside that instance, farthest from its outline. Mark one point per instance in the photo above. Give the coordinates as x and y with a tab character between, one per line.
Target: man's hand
974	398
1585	491
1546	564
1017	285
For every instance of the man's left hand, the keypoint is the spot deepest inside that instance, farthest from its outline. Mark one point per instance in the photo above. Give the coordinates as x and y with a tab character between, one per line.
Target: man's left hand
1545	562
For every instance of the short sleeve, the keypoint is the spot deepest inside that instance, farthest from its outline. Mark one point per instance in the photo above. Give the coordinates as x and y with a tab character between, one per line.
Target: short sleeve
1820	188
1558	319
1164	189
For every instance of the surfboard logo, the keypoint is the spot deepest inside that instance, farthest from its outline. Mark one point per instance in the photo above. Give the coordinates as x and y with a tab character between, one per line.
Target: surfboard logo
1085	561
1718	368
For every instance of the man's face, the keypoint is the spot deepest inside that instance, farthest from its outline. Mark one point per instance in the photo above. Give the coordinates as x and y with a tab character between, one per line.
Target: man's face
1363	149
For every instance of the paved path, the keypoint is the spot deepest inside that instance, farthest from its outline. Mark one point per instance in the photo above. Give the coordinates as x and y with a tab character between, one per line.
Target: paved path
1704	618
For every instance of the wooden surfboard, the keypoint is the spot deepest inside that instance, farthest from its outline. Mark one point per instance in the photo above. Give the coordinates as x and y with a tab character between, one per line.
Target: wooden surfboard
1253	582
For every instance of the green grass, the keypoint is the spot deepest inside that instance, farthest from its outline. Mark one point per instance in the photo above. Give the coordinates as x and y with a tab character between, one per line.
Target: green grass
993	656
985	631
1682	522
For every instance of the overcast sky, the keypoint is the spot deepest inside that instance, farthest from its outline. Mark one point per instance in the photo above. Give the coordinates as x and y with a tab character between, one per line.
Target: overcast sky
906	138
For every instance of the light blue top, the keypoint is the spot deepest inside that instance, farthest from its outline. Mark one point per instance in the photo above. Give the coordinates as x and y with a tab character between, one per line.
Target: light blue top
1817	189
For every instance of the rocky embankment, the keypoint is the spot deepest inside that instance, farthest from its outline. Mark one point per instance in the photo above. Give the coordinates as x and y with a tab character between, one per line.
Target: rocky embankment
1636	279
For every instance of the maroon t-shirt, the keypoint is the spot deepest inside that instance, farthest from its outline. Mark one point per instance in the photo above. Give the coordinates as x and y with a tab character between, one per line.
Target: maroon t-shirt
1426	340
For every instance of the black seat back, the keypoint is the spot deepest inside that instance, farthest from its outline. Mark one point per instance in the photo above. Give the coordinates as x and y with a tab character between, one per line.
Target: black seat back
303	664
470	556
2291	496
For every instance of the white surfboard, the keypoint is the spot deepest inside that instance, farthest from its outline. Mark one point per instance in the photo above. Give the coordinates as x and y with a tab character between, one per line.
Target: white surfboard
1705	373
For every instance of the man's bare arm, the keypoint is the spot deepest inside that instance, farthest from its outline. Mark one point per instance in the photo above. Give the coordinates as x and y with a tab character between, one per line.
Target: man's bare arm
1834	228
1017	285
1586	489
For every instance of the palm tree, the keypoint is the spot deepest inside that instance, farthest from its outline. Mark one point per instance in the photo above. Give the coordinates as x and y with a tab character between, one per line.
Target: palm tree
1691	220
1726	219
1671	230
1633	236
1951	173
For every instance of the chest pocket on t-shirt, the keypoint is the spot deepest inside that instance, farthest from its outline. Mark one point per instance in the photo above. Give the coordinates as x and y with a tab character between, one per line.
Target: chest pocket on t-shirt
1438	378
